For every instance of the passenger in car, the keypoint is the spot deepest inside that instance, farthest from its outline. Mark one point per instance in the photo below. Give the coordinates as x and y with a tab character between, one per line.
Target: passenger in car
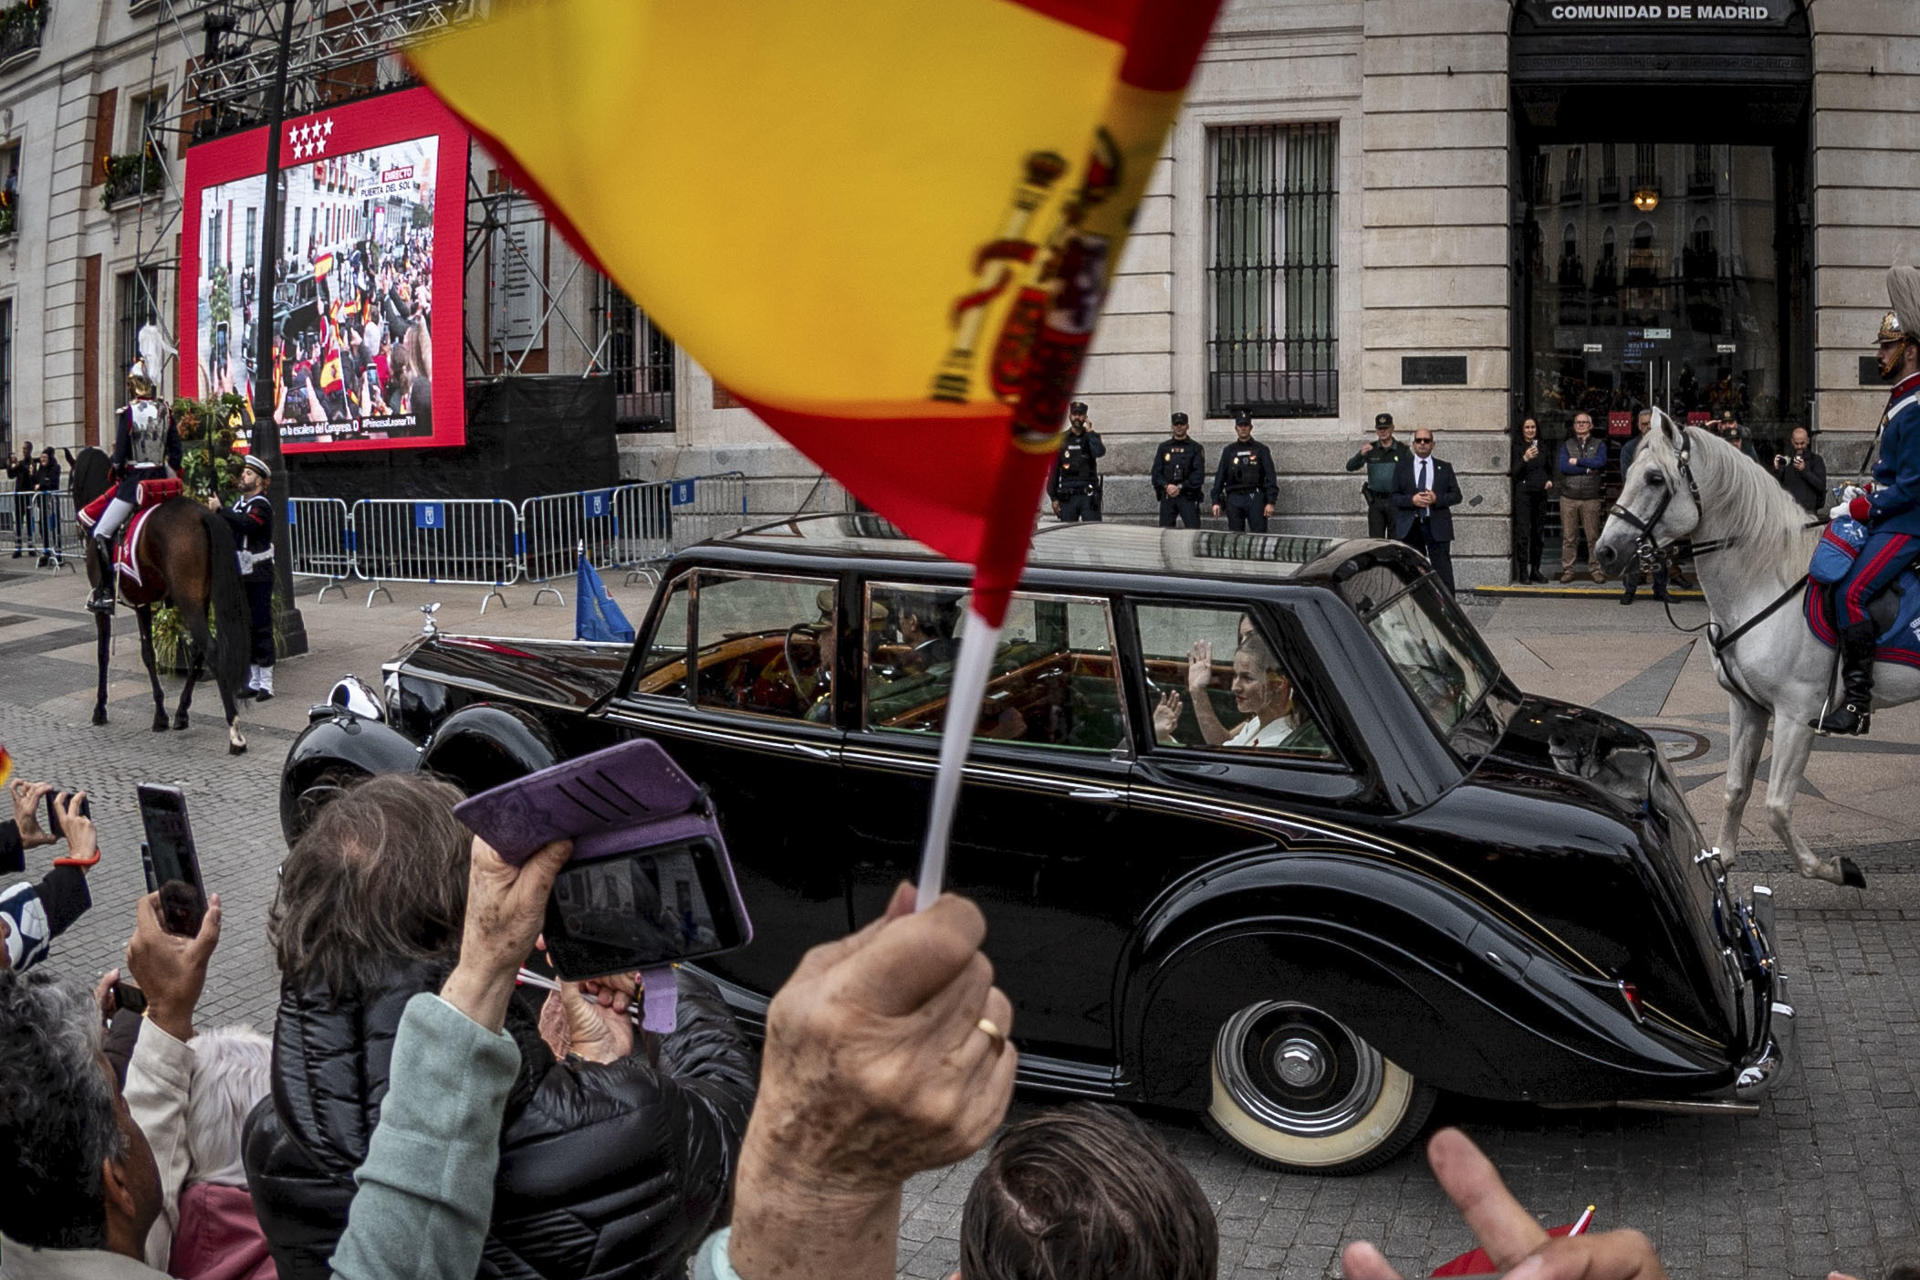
1261	691
926	625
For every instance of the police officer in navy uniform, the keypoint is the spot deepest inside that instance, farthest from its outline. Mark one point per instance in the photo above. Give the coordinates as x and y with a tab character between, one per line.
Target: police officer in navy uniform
251	519
1179	473
1247	484
146	446
1891	512
1075	483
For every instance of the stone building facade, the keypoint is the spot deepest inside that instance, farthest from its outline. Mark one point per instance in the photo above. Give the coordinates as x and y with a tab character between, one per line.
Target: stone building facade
1787	132
1455	211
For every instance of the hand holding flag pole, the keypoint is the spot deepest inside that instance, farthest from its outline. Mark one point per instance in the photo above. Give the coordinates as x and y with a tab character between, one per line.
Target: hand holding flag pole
828	231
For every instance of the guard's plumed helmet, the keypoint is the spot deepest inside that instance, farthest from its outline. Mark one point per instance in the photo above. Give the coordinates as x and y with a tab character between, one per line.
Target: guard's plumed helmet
139	383
1903	321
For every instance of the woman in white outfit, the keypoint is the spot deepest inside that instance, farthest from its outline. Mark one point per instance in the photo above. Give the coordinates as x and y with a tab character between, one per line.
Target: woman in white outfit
1261	692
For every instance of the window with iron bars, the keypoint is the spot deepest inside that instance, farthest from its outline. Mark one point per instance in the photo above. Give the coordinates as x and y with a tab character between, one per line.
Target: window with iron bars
1273	308
638	355
138	303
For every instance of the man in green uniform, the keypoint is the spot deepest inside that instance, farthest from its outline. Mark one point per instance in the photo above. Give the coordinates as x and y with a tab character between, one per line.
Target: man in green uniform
1380	456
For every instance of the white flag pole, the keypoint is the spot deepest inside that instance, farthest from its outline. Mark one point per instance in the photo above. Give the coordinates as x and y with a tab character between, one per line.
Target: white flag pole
970	670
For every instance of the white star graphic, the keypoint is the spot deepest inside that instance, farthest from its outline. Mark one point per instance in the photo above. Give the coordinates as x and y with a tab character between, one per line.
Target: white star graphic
328	127
321	146
300	132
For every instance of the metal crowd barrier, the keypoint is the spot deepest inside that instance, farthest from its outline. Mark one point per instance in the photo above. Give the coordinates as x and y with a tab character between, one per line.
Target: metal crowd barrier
464	540
320	542
43	526
489	542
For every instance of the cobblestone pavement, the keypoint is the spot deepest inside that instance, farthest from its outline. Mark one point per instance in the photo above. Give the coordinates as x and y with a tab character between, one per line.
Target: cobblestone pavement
1827	1175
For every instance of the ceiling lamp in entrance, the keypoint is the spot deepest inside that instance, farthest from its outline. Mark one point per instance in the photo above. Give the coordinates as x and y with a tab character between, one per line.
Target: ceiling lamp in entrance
1646	199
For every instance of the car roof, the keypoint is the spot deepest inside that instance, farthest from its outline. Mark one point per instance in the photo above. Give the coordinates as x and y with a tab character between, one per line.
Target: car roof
1101	548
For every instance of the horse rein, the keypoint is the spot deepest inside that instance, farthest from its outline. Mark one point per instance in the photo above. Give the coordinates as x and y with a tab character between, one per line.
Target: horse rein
1648	546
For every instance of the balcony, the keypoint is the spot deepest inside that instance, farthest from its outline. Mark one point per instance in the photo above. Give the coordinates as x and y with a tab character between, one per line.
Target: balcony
129	177
20	28
1609	192
1701	182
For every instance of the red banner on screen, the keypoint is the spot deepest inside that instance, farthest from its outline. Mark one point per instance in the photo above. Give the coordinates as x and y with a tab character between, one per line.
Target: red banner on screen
367	322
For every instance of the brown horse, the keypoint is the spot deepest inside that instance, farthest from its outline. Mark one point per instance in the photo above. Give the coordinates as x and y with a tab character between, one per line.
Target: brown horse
186	559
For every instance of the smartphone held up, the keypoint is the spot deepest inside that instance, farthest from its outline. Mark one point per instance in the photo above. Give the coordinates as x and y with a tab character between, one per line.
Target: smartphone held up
171	861
649	882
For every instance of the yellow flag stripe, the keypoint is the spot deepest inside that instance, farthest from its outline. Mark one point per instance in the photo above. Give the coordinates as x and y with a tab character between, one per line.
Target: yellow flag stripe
796	192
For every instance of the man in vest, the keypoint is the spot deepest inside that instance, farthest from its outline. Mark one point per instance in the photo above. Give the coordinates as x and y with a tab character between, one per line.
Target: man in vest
1380	456
1582	459
1247	484
251	519
146	446
1891	512
1075	483
1179	470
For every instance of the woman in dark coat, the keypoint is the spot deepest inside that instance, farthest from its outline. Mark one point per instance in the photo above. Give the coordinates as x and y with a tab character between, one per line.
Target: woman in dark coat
1532	486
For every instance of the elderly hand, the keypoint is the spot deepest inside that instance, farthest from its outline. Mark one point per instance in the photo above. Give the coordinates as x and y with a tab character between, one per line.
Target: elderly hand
877	1066
572	1022
26	802
83	842
505	905
1199	667
171	970
1518	1245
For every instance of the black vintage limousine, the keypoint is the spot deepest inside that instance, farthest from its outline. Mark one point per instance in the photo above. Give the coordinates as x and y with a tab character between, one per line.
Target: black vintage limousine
1259	826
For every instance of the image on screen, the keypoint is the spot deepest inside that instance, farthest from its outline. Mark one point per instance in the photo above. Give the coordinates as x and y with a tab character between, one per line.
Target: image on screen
629	912
367	192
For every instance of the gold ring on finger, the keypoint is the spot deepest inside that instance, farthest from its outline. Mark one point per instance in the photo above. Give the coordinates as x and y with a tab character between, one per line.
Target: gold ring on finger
994	1033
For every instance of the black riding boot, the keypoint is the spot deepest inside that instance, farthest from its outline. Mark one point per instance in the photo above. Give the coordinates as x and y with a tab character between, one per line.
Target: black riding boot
102	599
1857	644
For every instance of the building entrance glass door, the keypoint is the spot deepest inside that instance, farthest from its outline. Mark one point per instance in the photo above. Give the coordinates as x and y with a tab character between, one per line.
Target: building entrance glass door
1662	274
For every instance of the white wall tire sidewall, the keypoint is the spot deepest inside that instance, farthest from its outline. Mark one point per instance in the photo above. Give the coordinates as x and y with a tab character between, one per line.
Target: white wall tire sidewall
1381	1121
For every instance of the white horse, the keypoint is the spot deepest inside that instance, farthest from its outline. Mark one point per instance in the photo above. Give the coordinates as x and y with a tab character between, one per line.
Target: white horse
1751	547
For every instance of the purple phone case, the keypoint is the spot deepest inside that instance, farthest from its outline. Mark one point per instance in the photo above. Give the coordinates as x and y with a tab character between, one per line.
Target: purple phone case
611	792
620	798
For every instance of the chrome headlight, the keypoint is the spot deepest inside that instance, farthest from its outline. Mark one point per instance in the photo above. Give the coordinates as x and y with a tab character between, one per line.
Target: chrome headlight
357	698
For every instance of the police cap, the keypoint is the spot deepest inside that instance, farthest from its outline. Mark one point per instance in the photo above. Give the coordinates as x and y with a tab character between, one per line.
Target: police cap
1077	409
1382	420
1179	419
1243	418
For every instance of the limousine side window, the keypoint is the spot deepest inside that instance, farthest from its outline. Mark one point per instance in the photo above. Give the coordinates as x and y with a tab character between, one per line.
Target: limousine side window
762	644
1215	680
1053	681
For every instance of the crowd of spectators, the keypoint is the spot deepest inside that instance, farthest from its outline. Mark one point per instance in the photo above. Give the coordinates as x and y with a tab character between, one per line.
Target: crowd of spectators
419	1113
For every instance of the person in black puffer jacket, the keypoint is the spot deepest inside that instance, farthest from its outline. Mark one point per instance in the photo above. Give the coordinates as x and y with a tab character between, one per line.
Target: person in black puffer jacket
608	1171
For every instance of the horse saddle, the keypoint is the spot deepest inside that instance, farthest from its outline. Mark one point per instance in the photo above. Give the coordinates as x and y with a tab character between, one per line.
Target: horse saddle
1895	613
150	493
126	548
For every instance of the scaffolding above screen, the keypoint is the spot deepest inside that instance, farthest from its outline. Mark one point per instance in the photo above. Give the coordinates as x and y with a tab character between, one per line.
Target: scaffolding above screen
562	316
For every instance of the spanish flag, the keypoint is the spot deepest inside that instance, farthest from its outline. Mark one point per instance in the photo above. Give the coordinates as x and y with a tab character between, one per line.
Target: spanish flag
887	226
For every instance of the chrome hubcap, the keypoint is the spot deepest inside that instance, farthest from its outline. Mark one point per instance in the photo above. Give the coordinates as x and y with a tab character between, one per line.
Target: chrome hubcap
1298	1070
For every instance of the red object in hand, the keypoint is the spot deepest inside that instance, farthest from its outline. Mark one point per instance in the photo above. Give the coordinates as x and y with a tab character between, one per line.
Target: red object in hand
1860	508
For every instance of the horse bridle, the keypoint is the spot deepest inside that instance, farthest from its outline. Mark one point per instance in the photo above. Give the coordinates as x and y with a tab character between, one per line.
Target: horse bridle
1648	546
1649	543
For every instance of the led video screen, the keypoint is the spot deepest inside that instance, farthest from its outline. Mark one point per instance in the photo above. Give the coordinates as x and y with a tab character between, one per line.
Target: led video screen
366	318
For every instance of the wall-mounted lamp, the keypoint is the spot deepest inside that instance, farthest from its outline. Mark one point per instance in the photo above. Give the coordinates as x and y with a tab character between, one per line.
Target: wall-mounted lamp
1646	199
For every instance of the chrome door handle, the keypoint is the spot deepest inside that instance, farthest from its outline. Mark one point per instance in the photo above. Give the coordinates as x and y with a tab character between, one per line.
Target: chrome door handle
1093	793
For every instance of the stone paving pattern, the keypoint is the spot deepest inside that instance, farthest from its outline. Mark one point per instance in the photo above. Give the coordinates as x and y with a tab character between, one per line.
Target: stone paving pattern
1827	1175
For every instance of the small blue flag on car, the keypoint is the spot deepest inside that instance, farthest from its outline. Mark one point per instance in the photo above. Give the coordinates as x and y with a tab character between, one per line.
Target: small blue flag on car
595	615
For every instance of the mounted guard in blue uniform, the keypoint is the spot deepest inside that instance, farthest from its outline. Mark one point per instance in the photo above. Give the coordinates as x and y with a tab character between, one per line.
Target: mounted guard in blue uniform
1891	512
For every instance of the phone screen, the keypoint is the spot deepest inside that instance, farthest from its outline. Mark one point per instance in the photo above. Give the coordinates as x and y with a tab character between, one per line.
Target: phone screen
176	865
641	909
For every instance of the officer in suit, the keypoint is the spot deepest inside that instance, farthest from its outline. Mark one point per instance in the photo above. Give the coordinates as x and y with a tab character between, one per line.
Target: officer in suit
1891	512
1246	485
1424	492
1179	470
1075	483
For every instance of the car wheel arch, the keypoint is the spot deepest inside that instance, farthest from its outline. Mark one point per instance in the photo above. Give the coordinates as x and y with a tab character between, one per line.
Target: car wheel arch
485	744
